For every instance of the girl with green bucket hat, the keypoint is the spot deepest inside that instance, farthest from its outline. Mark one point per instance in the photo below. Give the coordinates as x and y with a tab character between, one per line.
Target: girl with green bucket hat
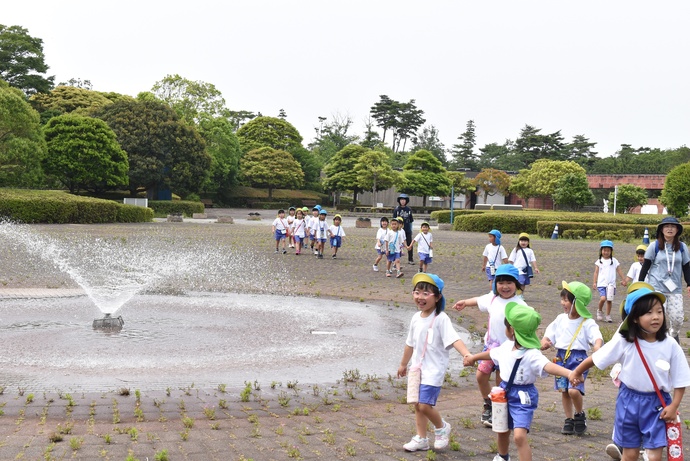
520	363
572	333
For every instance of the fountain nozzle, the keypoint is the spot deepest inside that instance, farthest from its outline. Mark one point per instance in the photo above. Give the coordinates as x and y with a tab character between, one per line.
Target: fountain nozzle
109	323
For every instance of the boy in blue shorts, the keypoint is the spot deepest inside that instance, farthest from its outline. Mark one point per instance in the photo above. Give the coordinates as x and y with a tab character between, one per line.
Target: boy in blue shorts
280	230
394	244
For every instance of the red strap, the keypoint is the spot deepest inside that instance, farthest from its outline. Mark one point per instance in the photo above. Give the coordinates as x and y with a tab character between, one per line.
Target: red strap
651	376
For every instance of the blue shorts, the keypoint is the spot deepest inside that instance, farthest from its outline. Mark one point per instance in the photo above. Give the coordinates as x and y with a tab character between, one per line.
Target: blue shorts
488	274
637	422
575	358
299	239
602	291
312	237
524	279
336	241
279	235
392	257
424	258
380	251
429	394
521	414
321	240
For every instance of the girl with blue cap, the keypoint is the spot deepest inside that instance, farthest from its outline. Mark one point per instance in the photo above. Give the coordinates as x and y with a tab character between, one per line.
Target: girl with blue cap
605	270
429	339
494	255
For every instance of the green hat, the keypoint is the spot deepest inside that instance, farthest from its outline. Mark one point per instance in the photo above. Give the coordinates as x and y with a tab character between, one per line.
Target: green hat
583	296
524	320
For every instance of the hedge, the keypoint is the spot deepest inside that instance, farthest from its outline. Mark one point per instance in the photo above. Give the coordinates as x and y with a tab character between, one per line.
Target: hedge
167	207
61	207
598	230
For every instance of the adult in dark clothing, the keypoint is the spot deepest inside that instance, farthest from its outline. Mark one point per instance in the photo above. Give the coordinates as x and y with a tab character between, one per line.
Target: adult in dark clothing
405	212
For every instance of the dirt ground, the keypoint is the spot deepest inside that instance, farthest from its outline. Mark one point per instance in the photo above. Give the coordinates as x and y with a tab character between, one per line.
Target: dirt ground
359	417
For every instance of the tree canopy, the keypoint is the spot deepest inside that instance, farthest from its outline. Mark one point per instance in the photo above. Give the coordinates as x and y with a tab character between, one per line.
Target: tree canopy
491	181
374	172
190	99
403	119
541	178
424	175
22	61
340	170
272	132
428	140
676	194
272	169
224	148
164	152
629	197
83	153
68	99
572	191
463	153
22	146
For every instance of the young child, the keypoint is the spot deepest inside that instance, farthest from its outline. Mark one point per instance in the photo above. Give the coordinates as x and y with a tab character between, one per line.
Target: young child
639	417
572	333
336	234
291	226
635	268
311	226
520	357
505	289
521	257
429	339
380	246
394	245
494	255
424	242
605	270
320	233
280	230
299	231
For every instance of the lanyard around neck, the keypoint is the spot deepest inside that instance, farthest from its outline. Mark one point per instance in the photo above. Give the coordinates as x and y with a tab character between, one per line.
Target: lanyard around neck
670	265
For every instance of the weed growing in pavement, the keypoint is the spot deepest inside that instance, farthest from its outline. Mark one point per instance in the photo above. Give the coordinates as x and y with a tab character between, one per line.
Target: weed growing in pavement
350	450
293	452
246	392
116	412
467	423
210	413
223	404
55	437
29	398
283	399
124	391
493	447
316	390
161	456
188	422
221	388
131	457
551	408
215	426
687	423
293	385
465	372
275	384
139	414
133	433
453	443
351	376
430	455
184	435
107	438
594	414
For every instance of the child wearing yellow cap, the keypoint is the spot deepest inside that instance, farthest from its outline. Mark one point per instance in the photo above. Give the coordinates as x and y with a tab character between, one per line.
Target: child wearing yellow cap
520	363
633	274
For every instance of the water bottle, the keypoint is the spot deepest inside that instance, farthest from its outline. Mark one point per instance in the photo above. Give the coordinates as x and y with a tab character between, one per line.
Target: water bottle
499	410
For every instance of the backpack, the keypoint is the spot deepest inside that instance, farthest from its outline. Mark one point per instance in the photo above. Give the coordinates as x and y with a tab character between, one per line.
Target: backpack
656	248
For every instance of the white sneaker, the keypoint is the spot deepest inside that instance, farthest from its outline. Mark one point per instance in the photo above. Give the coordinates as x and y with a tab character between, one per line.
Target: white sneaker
441	436
375	267
600	315
613	451
498	458
609	319
417	444
316	252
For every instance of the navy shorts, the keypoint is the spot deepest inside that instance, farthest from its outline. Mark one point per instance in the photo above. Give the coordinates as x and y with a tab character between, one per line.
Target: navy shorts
392	257
521	412
279	235
425	258
575	358
524	279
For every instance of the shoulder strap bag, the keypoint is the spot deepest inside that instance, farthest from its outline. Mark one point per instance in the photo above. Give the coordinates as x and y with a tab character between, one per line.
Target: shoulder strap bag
414	374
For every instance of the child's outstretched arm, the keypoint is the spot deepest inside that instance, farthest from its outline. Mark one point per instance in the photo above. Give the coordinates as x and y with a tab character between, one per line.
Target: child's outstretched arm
459	346
575	376
472	359
534	266
671	410
597	345
545	343
463	303
407	355
553	369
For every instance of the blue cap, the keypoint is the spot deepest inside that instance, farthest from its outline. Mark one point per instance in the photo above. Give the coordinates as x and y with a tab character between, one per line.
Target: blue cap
606	243
633	297
436	281
496	233
506	269
323	212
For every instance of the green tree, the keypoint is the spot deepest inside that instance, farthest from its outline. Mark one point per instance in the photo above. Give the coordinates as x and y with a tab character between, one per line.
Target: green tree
272	169
375	173
385	112
190	99
428	140
270	132
531	146
83	153
499	157
540	180
461	184
22	146
69	99
463	153
22	61
676	194
340	170
579	150
425	175
331	137
224	148
572	191
164	152
311	166
491	181
371	138
402	119
629	197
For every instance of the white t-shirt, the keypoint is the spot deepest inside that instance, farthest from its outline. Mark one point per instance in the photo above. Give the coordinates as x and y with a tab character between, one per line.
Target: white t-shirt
336	231
441	339
280	224
561	331
381	235
495	254
518	259
531	367
299	228
311	224
321	229
396	241
291	221
667	352
423	241
496	307
607	271
634	271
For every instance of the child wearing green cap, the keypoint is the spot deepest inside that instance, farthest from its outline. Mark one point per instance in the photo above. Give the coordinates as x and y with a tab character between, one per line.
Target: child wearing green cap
430	337
639	417
572	333
520	361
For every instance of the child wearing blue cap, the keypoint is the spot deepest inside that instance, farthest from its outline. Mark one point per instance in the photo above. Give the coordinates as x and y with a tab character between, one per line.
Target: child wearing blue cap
605	269
321	233
521	363
430	337
643	342
504	290
494	255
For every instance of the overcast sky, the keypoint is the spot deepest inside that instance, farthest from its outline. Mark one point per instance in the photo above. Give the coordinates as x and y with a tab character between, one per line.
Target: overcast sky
614	71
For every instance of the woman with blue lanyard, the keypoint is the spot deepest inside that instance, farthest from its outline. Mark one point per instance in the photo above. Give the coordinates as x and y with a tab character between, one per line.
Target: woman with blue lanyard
666	263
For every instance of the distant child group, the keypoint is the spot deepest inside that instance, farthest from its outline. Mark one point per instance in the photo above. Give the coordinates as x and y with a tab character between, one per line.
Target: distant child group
390	243
298	229
512	349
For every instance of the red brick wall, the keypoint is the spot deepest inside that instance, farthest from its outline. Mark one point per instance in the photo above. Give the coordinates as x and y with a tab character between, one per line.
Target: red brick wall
645	181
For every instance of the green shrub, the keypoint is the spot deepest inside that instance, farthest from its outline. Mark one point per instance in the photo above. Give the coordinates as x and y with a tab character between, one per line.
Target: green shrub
131	213
165	207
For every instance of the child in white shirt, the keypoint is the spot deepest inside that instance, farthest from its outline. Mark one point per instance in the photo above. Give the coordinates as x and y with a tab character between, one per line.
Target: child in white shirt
635	268
605	269
381	237
336	234
425	245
